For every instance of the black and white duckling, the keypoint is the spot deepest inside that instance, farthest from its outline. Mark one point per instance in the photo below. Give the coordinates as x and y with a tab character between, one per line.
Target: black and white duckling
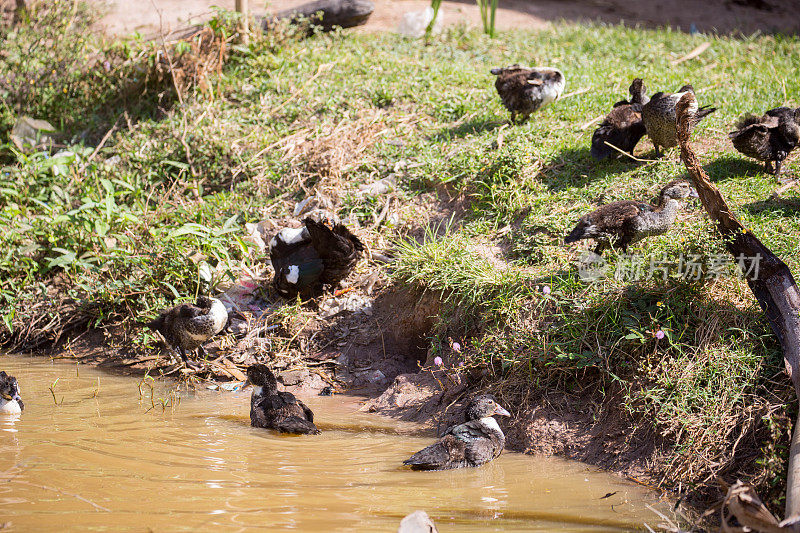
769	138
186	327
473	443
660	118
276	410
623	126
305	259
524	90
10	400
625	222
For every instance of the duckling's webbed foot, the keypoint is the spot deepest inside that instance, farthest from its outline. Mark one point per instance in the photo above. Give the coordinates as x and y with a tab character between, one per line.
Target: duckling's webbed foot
778	165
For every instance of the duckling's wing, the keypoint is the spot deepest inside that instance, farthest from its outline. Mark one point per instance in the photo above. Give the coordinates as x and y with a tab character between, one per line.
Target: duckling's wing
295	425
612	217
288	403
309	414
449	452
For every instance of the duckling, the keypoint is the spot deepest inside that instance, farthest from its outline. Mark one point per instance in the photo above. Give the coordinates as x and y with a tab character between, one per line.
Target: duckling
524	90
660	120
307	258
186	327
10	400
623	126
473	443
271	409
769	138
628	221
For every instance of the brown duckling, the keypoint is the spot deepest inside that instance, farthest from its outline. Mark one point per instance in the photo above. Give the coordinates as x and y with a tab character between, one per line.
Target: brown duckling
305	259
769	138
660	119
473	443
276	410
623	126
10	400
524	90
186	327
625	222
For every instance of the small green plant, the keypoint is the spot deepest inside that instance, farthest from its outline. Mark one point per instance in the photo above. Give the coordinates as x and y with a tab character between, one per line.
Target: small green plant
487	9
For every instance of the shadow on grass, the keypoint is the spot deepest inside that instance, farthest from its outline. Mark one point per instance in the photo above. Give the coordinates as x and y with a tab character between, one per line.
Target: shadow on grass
472	127
785	207
575	167
731	166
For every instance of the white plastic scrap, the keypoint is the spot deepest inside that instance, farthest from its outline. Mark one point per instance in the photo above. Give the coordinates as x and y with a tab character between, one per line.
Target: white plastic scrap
414	23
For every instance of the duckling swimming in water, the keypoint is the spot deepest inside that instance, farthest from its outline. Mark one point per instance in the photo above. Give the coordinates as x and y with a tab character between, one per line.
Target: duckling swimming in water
769	138
10	400
524	90
305	259
473	443
186	327
628	221
623	126
659	117
276	410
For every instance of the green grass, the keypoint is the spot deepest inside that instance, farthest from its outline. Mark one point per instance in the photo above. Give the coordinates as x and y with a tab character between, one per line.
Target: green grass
120	237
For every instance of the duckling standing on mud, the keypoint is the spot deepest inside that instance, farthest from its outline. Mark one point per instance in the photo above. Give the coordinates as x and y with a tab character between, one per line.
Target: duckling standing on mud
524	90
10	400
186	327
659	117
769	138
473	443
271	409
623	126
628	221
305	259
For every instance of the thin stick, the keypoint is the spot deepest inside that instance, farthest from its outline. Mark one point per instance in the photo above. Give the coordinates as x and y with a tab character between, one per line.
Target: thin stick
623	152
57	491
691	55
101	144
325	67
783	188
576	93
584	126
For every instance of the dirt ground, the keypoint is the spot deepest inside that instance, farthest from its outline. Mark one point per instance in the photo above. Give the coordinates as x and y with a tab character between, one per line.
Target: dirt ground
725	16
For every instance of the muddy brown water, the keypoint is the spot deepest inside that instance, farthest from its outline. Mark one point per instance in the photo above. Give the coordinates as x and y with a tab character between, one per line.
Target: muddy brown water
109	458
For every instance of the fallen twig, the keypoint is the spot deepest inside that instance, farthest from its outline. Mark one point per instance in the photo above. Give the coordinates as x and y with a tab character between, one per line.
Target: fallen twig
623	152
594	120
575	93
691	55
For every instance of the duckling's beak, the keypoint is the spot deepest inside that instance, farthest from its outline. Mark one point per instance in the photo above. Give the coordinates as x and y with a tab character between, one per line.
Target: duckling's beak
246	383
19	401
501	411
536	82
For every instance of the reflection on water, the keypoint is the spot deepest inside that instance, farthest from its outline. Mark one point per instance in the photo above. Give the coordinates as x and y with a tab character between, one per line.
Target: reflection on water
106	458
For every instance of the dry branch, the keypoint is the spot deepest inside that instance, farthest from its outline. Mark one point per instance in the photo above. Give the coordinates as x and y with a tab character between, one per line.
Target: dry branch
769	278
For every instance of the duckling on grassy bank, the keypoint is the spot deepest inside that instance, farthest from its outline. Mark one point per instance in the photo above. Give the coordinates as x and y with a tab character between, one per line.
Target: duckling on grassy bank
625	222
276	410
305	259
659	117
473	443
769	138
623	126
524	90
10	400
186	327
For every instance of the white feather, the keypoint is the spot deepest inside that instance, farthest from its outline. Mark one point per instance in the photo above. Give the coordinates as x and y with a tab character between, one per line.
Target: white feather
293	275
9	407
293	235
491	423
